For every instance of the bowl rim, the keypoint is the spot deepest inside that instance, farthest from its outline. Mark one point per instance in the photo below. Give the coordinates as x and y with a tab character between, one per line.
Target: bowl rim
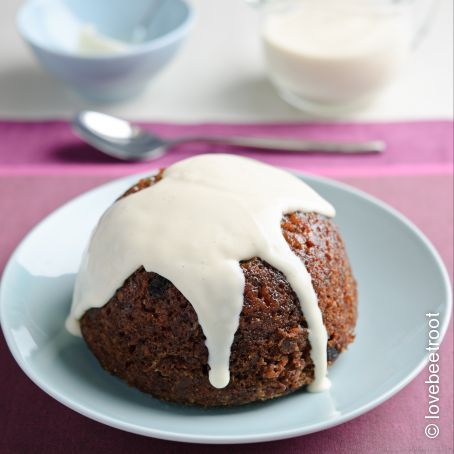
132	50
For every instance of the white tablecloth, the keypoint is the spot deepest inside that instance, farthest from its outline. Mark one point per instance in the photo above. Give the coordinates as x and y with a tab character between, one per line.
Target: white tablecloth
219	75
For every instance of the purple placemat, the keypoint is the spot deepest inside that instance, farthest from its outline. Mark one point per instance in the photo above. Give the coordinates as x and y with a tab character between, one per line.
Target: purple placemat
32	422
418	147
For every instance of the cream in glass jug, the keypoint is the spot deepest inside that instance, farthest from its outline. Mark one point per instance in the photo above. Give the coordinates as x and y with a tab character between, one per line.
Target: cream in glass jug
331	56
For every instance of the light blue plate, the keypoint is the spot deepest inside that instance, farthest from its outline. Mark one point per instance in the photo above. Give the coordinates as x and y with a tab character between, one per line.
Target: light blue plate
400	275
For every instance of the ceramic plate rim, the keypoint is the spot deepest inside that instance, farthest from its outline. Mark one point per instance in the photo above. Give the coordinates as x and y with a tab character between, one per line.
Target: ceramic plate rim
249	438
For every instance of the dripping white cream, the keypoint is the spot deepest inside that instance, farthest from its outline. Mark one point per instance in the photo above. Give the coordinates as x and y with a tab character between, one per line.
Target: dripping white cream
193	227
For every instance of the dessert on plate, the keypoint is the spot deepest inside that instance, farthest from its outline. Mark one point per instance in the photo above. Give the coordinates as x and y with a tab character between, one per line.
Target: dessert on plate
219	281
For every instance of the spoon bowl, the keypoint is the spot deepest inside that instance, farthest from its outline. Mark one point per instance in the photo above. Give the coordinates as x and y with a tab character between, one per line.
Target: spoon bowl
118	138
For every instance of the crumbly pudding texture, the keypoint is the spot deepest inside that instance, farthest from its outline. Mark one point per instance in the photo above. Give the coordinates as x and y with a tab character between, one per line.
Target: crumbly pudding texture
148	333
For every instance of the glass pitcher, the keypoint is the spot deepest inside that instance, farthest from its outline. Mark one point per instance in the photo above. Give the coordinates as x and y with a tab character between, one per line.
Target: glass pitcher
332	56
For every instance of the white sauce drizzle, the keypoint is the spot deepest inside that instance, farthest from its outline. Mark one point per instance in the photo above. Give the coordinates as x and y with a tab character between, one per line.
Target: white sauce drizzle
193	227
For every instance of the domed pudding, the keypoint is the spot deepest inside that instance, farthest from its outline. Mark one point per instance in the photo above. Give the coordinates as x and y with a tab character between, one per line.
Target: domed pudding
219	281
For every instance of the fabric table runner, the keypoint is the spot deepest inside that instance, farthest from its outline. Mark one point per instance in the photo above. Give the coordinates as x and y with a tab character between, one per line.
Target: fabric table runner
42	165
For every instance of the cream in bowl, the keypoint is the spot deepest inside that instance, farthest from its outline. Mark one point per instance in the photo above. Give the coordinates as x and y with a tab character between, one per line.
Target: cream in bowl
105	50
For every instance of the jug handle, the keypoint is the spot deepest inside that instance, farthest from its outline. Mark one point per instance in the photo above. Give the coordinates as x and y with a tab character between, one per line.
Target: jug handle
424	22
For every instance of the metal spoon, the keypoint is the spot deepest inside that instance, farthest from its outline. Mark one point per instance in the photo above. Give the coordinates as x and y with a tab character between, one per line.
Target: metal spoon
123	140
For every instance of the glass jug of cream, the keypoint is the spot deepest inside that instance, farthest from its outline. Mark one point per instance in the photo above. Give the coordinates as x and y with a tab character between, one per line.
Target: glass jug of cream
331	56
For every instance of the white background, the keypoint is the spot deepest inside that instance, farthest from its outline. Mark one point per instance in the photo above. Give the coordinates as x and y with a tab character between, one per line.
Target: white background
219	75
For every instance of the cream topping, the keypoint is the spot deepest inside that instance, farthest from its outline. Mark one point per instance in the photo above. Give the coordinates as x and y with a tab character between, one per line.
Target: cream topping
193	227
91	42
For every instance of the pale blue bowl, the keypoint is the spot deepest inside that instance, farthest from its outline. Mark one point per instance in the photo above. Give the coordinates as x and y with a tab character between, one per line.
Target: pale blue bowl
49	27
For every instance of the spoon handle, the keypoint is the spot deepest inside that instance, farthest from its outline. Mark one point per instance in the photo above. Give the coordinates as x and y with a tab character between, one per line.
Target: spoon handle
291	145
